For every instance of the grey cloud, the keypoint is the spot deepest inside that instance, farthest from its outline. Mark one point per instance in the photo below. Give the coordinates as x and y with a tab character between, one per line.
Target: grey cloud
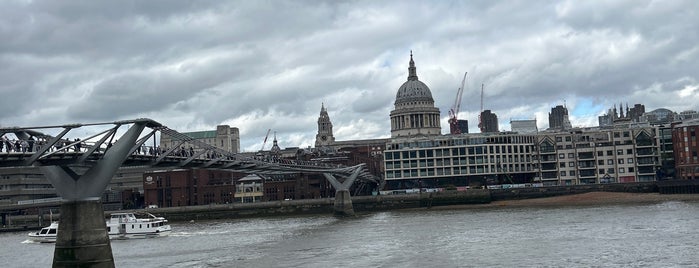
264	64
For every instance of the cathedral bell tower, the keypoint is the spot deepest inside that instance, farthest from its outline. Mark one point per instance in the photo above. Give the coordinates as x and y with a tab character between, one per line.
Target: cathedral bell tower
325	129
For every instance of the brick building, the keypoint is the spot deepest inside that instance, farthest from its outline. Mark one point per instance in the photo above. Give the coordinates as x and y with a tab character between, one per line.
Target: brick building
686	148
189	187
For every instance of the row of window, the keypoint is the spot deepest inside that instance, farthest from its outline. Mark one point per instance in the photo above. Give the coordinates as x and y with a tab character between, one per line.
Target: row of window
439	162
483	169
599	153
514	140
477	150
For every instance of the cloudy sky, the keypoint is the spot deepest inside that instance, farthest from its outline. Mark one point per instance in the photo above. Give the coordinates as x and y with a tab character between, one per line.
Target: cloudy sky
260	65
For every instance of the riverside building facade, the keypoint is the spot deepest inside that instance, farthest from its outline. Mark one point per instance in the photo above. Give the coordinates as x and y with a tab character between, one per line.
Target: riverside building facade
579	156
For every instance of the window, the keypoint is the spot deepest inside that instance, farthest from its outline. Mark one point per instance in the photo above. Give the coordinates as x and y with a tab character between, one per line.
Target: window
622	170
572	173
629	151
563	173
600	153
559	139
610	162
571	164
630	160
610	170
631	170
600	162
561	155
571	155
601	171
568	138
621	161
610	152
562	164
619	152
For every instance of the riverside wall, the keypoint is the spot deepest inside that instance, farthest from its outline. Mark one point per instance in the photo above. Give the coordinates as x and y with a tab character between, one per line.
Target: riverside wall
367	203
539	192
322	206
391	202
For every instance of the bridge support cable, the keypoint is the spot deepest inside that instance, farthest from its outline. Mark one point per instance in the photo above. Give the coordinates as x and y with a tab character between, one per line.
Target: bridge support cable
46	147
82	237
192	157
169	151
214	161
141	141
96	147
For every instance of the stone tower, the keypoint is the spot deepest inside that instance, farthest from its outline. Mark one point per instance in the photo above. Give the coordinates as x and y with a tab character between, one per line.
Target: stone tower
325	129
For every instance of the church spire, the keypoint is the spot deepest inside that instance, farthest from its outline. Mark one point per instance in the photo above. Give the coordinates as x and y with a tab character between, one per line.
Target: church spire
412	73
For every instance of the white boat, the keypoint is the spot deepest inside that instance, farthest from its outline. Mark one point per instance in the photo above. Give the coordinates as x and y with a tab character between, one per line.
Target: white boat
46	234
119	226
127	225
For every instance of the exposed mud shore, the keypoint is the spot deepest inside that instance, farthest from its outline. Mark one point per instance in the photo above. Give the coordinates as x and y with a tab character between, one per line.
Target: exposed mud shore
585	199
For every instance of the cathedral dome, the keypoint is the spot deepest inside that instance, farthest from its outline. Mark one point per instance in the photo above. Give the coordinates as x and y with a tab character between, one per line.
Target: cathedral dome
413	90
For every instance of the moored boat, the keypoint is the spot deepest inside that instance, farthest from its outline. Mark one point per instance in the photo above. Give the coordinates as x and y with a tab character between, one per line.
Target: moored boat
46	234
127	225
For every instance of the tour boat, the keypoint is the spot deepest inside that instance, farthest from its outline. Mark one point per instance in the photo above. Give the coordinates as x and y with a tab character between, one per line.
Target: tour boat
46	234
126	225
119	226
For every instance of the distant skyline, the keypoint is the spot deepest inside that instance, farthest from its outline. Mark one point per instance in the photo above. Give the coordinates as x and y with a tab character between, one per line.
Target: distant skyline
260	65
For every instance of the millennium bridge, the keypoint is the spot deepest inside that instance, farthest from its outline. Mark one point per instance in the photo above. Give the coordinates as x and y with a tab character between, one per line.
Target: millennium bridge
80	170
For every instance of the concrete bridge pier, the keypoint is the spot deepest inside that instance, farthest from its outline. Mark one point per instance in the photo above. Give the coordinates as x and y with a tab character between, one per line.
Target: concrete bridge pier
343	201
343	204
82	237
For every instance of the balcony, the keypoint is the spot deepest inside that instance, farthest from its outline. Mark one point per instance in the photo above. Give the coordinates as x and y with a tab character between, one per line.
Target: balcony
549	166
586	155
549	158
646	170
590	173
586	164
549	175
645	161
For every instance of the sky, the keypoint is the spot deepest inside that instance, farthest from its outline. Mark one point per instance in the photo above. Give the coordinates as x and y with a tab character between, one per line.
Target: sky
259	65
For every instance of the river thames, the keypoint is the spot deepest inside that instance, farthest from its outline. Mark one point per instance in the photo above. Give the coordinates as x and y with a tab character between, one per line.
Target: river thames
656	235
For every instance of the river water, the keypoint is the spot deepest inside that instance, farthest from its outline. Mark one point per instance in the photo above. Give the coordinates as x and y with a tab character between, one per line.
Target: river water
657	235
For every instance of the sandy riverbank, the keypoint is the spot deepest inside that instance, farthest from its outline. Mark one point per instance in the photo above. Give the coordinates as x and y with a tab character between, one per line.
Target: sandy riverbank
586	199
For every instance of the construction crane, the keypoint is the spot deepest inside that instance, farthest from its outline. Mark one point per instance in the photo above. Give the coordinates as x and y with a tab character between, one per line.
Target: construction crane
480	120
454	111
265	141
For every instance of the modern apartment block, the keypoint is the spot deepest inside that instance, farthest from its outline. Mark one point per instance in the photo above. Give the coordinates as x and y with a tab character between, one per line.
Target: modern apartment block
686	149
460	160
577	156
598	155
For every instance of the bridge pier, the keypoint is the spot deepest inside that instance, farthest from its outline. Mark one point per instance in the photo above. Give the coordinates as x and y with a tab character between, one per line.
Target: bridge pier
82	238
343	201
343	204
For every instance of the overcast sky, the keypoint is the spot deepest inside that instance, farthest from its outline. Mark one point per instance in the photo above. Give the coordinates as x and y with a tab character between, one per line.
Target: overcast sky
259	65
